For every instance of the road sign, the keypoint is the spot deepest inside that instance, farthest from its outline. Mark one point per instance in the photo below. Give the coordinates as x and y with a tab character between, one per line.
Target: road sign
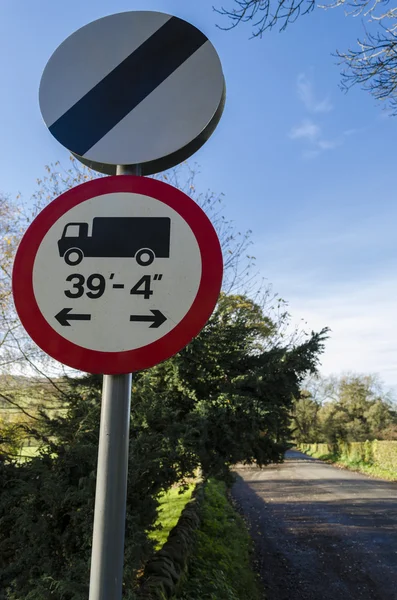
117	274
133	88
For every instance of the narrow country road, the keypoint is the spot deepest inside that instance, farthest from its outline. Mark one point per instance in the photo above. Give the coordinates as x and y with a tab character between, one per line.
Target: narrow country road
320	533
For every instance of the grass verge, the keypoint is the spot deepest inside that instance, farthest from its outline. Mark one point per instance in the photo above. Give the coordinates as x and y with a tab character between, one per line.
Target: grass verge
356	465
172	504
220	567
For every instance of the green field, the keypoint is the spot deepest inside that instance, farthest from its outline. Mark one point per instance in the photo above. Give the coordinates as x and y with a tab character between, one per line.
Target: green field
172	504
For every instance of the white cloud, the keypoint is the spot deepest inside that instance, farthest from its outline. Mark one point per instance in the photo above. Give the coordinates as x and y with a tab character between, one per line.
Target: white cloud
327	144
330	279
306	94
311	133
307	130
362	317
355	131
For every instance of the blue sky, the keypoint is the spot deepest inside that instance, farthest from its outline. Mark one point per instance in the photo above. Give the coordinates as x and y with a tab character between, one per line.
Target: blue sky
309	169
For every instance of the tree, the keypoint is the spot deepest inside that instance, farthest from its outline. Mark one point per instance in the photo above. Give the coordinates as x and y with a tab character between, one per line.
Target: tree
16	349
245	385
225	398
304	419
352	408
10	225
359	412
372	65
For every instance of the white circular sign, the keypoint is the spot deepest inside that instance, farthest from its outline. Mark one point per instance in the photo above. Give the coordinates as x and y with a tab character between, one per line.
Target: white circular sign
111	290
117	274
133	88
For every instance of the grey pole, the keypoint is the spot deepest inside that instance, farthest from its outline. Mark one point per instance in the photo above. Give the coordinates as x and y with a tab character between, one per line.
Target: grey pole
107	557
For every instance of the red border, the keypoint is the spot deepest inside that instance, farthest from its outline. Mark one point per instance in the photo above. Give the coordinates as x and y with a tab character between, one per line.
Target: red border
93	361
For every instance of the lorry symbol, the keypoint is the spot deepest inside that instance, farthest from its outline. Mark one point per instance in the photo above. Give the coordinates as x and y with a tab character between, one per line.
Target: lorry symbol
142	238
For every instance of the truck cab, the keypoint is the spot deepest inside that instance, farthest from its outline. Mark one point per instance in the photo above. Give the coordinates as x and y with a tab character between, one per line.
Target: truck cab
74	234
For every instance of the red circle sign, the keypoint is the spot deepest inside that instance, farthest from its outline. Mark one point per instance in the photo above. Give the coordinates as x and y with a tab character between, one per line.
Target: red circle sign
117	274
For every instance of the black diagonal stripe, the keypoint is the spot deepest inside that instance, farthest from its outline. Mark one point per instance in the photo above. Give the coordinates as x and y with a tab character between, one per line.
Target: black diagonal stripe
96	113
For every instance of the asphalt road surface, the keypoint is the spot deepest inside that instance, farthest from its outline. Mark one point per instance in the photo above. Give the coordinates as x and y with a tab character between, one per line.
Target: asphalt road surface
320	533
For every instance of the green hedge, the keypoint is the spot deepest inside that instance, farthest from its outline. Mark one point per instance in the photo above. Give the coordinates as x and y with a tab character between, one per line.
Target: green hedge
316	449
385	454
381	454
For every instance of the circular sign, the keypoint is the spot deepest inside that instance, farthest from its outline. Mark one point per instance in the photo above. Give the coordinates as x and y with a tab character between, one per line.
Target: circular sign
117	274
133	88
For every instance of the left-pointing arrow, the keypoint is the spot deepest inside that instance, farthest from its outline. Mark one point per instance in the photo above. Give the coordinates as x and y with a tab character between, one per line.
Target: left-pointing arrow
64	316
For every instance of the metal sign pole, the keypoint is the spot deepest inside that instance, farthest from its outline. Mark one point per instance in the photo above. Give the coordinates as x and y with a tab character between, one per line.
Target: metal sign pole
107	557
107	121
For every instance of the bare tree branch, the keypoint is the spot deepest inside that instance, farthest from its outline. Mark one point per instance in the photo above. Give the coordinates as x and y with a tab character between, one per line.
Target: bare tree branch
373	65
266	14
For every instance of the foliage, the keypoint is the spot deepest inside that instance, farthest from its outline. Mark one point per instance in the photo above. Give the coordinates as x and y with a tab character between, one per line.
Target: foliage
44	504
305	426
350	408
220	567
385	454
373	65
47	504
223	399
12	222
17	351
318	449
241	390
22	401
378	458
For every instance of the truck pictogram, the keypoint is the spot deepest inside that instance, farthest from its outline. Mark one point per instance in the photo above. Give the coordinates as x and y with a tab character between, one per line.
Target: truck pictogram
142	238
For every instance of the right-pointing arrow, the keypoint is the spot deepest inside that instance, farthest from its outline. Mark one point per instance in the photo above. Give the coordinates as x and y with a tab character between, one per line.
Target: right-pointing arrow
156	319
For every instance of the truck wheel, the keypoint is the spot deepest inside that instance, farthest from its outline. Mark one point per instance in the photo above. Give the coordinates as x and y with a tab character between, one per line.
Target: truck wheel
73	256
144	257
